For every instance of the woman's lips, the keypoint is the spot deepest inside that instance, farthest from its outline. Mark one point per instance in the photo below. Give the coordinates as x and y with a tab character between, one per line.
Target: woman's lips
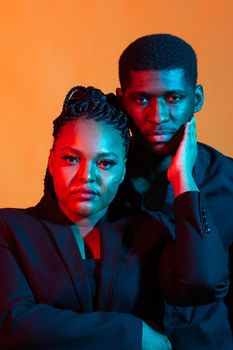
85	193
85	196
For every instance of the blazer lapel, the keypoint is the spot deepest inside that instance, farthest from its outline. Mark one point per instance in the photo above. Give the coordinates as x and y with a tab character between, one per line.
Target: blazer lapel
70	254
111	239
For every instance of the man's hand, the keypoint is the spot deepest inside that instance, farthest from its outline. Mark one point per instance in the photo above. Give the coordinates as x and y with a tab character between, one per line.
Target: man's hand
182	162
154	340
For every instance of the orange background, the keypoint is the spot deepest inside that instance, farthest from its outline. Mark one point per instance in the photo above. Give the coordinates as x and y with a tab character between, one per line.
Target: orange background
48	46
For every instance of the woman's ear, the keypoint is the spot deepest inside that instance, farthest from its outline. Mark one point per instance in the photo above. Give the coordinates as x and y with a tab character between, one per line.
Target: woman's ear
124	172
50	161
199	98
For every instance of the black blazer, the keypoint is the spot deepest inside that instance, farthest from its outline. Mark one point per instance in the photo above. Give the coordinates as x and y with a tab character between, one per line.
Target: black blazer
46	299
199	327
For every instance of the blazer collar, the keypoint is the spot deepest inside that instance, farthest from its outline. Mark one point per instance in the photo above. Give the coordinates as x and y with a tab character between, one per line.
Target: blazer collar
111	233
111	244
66	245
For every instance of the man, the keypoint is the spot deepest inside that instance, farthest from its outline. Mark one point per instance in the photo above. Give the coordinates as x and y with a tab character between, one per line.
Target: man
159	91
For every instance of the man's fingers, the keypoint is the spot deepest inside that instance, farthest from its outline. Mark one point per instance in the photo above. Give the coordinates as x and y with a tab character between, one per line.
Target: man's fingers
190	131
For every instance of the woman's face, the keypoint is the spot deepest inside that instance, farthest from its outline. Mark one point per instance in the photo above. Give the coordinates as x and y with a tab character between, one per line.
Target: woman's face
87	164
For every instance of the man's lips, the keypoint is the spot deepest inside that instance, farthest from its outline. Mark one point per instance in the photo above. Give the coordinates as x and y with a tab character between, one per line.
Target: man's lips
159	136
159	132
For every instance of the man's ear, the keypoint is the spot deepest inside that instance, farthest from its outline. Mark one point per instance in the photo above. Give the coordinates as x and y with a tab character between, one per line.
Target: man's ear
119	92
199	98
50	161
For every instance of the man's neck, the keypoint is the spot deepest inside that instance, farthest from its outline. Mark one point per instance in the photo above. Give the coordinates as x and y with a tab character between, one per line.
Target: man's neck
147	161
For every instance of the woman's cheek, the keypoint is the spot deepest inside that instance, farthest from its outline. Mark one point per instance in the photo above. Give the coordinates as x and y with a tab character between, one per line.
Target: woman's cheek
112	183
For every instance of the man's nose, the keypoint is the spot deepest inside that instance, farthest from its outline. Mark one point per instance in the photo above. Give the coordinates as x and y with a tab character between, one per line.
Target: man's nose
157	111
86	171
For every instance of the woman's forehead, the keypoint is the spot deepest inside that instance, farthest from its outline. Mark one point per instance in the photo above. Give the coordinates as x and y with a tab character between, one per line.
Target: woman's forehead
87	135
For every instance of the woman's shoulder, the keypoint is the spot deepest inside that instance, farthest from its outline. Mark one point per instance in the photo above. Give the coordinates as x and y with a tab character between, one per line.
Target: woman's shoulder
15	222
9	214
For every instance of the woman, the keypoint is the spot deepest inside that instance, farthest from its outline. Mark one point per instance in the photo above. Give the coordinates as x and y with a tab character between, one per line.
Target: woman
77	273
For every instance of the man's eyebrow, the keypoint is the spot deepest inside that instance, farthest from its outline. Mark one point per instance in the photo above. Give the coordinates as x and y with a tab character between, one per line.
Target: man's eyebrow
175	91
151	93
78	152
71	149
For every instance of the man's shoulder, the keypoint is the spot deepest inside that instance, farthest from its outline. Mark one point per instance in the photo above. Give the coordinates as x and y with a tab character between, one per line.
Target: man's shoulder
210	157
213	171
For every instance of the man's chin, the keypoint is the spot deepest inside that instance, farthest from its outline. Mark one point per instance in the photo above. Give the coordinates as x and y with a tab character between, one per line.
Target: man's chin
162	148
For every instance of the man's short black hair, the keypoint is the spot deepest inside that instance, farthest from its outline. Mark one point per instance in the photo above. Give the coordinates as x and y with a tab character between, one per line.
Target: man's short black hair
158	52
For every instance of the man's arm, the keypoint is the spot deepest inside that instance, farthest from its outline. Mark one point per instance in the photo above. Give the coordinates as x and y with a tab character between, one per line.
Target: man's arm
194	267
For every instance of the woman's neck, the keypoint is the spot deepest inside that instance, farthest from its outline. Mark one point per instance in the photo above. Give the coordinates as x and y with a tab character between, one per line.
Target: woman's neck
85	223
86	232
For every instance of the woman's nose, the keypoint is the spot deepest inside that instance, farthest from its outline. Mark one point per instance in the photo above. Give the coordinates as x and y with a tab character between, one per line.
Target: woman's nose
86	172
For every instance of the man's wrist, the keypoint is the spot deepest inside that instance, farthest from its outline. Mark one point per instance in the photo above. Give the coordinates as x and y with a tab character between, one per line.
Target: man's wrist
183	183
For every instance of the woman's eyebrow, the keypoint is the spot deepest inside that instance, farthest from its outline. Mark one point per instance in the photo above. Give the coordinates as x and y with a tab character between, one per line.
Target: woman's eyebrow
107	154
100	154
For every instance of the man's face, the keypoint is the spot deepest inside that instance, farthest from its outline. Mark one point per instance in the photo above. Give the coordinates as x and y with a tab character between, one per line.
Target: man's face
159	103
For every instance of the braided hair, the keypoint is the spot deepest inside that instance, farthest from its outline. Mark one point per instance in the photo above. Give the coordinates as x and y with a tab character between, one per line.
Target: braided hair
89	103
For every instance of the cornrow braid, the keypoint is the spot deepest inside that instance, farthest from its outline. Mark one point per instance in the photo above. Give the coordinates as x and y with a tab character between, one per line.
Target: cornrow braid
90	103
82	93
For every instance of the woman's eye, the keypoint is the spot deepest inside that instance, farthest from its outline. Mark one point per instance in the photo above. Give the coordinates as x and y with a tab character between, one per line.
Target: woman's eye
106	163
72	160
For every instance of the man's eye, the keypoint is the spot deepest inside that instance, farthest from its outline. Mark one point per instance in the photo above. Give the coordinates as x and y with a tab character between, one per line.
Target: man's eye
106	163
173	99
140	100
72	160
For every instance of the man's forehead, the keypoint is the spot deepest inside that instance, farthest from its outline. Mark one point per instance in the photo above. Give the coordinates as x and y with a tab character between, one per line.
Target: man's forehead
148	79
